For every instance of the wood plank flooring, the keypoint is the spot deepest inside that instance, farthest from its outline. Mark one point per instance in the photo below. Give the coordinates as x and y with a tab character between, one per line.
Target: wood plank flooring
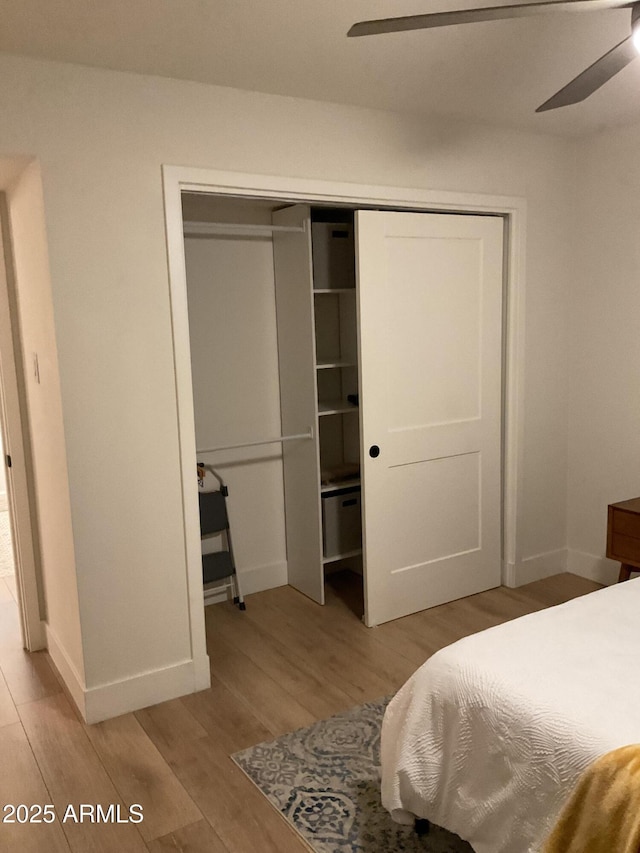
284	663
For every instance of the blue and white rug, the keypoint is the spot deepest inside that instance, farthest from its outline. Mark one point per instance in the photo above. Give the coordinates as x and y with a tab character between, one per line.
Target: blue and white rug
325	781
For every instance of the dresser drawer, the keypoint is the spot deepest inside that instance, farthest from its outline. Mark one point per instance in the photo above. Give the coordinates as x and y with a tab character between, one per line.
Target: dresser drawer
626	523
625	548
623	536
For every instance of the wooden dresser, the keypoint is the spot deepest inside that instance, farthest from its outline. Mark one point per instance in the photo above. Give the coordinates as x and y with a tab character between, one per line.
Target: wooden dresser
623	536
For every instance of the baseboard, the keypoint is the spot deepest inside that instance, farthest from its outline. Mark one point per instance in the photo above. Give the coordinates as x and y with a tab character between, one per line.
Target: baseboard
253	580
72	679
129	694
535	568
147	688
598	569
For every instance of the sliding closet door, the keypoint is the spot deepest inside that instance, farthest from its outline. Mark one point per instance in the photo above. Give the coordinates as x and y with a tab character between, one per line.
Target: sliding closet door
430	301
296	336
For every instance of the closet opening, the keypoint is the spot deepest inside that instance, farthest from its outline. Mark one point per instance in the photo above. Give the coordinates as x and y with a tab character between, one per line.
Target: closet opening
420	425
272	310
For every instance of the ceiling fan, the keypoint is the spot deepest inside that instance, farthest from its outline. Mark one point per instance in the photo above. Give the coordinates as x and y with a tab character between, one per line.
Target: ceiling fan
580	87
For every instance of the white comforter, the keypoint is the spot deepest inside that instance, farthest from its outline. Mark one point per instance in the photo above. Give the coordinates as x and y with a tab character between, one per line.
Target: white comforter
489	736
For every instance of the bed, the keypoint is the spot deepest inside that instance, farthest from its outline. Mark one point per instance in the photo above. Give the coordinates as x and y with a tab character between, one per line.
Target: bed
488	738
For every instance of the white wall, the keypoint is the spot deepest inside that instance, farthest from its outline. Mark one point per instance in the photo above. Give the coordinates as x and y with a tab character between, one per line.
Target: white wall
234	362
101	138
604	412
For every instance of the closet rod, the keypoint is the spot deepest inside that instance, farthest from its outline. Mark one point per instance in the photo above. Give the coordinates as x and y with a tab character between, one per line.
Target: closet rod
211	228
280	438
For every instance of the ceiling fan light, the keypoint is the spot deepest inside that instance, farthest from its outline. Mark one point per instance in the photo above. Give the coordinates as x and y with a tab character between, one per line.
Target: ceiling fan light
635	34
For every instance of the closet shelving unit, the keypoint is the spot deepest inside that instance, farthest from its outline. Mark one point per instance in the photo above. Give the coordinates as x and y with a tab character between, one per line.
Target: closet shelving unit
336	365
316	298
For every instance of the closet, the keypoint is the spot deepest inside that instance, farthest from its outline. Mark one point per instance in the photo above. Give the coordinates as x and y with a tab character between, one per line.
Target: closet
389	372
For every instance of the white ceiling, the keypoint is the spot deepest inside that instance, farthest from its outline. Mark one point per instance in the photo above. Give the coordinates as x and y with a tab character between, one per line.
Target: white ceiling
495	72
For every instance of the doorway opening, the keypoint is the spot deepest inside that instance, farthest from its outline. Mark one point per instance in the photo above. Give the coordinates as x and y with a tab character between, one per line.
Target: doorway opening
10	630
19	549
7	563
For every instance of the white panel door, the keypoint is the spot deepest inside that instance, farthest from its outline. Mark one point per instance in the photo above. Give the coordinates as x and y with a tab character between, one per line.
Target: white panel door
430	303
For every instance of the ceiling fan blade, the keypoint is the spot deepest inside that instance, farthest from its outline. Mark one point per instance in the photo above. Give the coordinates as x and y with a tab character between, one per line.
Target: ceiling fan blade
470	16
593	77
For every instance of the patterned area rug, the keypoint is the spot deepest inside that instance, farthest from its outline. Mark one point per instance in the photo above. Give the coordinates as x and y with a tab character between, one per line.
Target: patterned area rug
325	781
6	552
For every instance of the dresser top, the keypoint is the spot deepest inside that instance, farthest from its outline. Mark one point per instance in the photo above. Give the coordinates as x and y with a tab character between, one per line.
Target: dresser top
632	505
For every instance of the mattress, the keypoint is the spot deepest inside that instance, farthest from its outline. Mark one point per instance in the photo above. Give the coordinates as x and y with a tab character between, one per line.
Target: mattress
490	735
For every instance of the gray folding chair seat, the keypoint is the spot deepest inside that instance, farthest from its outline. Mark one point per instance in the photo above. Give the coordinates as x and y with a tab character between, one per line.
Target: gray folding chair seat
216	567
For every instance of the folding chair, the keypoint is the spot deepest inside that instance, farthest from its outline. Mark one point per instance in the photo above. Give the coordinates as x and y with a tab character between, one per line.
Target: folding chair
220	565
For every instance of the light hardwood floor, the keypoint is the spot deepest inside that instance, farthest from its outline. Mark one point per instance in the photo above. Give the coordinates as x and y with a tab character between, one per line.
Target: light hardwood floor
282	664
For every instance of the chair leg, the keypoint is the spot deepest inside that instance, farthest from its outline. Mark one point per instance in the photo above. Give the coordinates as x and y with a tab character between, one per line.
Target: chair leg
625	572
421	826
238	597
